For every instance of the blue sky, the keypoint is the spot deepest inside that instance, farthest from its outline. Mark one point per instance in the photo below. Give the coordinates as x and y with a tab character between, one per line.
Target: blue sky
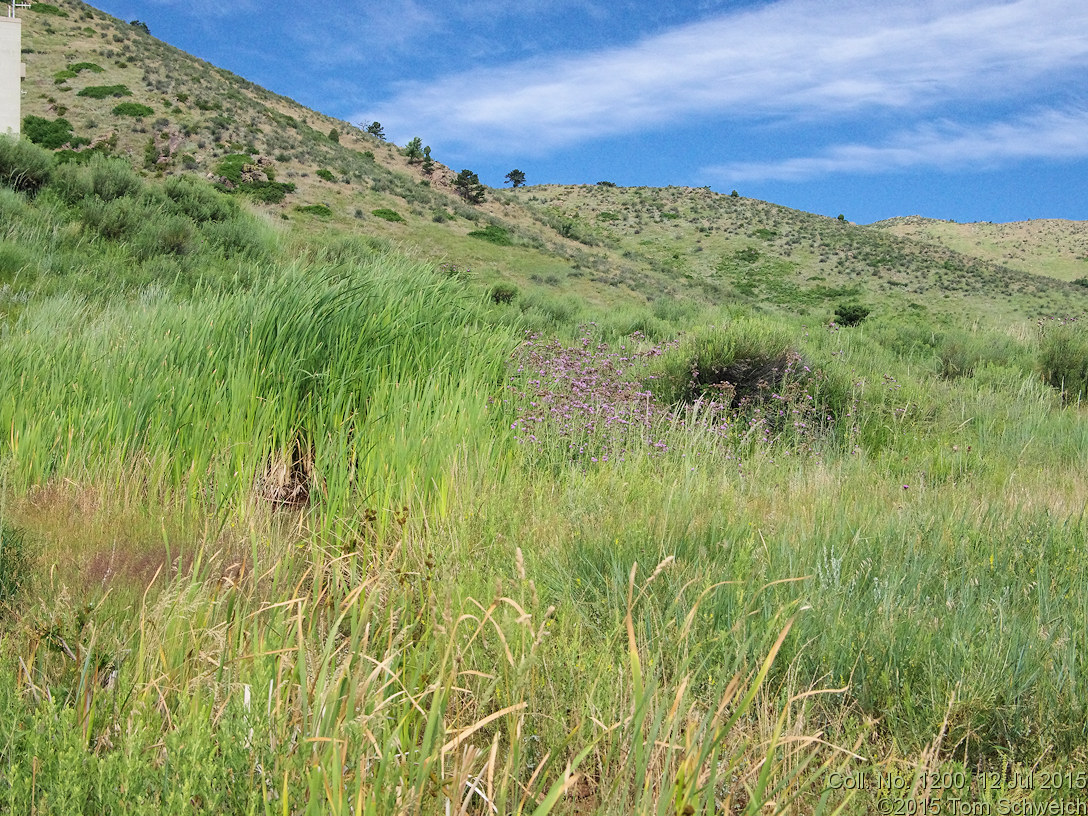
971	110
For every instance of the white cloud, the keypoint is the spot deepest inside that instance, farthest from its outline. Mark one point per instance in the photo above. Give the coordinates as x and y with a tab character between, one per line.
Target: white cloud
1051	134
793	58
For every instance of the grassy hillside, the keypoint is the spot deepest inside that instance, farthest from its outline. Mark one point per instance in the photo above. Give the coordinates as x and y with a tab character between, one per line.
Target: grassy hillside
1051	247
597	510
565	248
761	253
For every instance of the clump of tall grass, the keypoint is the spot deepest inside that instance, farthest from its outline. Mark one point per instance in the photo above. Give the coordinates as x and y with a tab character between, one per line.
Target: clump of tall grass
546	312
112	178
373	369
166	235
14	260
198	201
240	237
1063	357
627	322
961	354
114	219
949	351
724	363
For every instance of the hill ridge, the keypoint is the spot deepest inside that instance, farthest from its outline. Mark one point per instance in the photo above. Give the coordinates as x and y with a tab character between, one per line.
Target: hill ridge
594	244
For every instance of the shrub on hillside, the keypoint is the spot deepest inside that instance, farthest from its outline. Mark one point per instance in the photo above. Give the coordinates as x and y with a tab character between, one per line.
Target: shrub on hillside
504	293
51	134
77	67
104	91
231	166
164	235
24	166
116	219
198	200
388	215
322	210
244	176
113	178
48	8
267	192
851	314
132	109
571	227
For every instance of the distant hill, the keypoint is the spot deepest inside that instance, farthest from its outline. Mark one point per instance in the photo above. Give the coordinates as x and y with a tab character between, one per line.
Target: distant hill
1053	247
122	90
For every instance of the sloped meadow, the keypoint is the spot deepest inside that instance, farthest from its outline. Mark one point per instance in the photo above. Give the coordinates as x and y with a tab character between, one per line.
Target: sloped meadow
316	530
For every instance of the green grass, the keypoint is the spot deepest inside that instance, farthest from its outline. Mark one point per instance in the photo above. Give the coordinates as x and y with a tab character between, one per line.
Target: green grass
269	543
219	410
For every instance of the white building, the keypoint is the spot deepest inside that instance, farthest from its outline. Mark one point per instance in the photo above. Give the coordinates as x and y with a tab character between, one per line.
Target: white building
12	71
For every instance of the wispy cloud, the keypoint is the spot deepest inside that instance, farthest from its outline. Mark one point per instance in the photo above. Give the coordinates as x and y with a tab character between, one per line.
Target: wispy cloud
367	32
1051	134
793	58
208	8
401	30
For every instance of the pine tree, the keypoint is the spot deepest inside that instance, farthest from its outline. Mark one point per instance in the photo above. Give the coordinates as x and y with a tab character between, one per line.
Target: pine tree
468	186
414	151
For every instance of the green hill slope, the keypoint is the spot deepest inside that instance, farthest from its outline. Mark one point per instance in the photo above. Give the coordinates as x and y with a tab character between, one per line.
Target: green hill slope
602	246
1051	247
326	491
